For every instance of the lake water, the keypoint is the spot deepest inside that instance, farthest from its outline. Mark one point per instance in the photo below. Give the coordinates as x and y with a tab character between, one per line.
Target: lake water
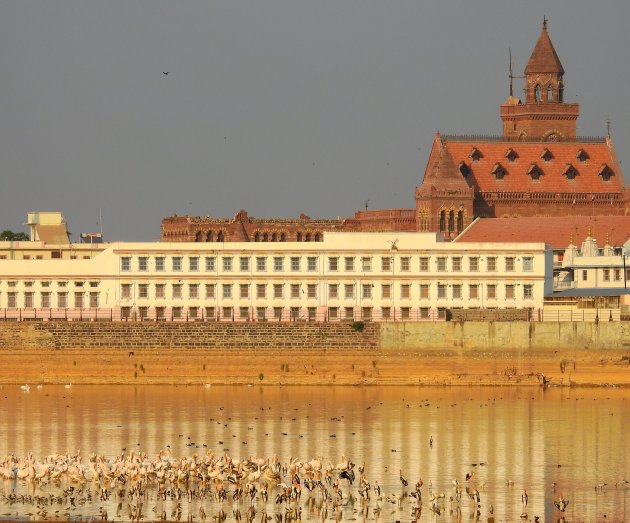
550	442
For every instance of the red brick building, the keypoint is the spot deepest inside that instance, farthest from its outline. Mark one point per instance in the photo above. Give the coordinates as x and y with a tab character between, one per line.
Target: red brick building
537	167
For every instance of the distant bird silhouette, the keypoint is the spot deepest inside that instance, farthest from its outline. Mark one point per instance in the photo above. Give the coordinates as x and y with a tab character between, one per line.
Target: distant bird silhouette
165	73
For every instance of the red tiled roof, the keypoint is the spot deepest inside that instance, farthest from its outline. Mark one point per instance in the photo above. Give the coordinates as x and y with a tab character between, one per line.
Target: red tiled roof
556	231
517	173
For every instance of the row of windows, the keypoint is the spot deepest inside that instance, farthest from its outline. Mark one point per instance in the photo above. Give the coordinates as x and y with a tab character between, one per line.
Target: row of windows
349	263
296	291
47	284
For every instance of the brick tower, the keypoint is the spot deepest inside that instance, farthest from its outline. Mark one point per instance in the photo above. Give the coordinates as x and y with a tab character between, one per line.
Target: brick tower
544	116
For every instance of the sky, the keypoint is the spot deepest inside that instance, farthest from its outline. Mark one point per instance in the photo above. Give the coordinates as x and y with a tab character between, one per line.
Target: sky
278	107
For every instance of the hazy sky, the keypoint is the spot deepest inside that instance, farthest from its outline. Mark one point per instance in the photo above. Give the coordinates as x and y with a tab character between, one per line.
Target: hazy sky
274	106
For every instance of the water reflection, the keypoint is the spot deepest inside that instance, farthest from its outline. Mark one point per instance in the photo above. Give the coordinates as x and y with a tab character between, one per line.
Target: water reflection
551	443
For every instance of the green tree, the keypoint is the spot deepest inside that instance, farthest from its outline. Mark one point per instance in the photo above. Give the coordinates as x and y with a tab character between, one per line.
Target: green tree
11	236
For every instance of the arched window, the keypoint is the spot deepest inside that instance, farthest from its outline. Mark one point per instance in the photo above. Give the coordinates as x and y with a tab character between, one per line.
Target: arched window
538	93
283	237
198	236
561	93
317	237
549	94
460	221
308	237
220	236
209	236
274	237
451	221
299	236
266	237
442	221
257	237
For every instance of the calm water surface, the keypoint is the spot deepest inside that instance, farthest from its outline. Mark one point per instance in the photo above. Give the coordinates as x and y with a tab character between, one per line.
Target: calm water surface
576	439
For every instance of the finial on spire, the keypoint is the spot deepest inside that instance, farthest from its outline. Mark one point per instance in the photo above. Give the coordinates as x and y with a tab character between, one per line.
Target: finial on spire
544	23
608	127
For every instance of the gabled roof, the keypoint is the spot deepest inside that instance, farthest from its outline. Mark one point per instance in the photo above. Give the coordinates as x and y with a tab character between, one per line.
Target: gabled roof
588	179
442	172
556	231
544	58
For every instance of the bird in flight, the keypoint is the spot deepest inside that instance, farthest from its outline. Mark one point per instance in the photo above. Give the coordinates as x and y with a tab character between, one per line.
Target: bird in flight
165	73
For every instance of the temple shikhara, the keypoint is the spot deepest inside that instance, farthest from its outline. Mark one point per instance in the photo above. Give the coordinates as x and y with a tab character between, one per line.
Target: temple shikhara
538	167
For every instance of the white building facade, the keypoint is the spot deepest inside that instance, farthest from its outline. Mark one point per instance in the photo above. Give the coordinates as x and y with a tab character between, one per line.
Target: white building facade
346	277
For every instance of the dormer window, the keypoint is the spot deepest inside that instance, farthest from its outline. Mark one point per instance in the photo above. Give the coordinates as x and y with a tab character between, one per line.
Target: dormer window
534	171
475	154
569	171
464	169
498	171
582	155
605	172
511	155
546	155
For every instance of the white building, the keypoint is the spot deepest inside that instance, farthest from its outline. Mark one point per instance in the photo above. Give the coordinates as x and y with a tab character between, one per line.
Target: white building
377	276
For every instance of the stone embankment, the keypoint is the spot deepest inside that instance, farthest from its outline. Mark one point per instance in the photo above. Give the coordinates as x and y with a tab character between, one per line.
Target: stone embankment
446	353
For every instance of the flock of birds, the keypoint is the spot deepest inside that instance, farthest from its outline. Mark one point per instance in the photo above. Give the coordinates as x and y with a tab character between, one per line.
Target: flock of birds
253	489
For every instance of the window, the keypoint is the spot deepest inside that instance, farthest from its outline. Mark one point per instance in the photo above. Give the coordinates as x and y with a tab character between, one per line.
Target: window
441	291
509	264
28	300
125	264
473	291
295	313
244	290
617	274
243	313
45	297
143	290
193	264
424	291
211	313
367	291
226	312
333	313
160	313
125	291
45	284
143	264
211	263
457	292
311	263
348	290
261	264
227	290
277	313
227	264
295	263
424	263
177	291
261	313
405	313
348	263
333	263
405	291
295	290
160	290
386	313
528	291
492	292
386	264
78	300
405	264
312	313
176	313
278	264
457	263
261	290
193	313
491	264
311	290
62	300
94	300
177	263
424	313
528	263
193	291
243	264
606	274
210	290
366	313
160	264
386	291
348	313
509	292
473	264
441	264
366	264
333	291
584	275
277	290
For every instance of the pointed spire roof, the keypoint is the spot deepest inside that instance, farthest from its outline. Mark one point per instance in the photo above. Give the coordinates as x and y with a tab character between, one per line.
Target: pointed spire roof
544	58
442	171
